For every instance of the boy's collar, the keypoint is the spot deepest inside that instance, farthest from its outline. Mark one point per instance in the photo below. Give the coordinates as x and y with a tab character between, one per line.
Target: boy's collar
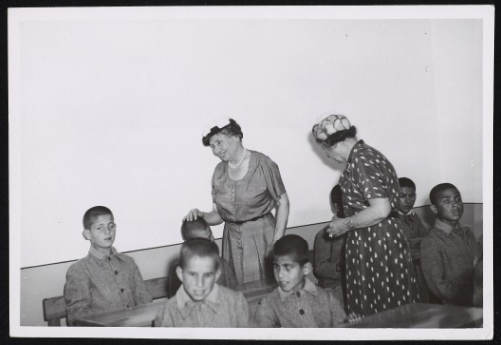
186	305
308	286
446	227
100	256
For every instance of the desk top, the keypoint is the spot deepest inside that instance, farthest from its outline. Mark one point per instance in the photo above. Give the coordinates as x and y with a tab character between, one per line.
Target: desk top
421	315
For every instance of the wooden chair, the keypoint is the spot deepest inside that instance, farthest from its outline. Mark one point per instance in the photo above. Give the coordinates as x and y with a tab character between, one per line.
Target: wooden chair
54	308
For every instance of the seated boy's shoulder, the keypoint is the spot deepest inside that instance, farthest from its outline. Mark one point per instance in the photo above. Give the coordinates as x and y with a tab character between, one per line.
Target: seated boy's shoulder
227	293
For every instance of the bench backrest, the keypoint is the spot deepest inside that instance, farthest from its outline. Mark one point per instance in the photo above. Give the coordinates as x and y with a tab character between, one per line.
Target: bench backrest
54	308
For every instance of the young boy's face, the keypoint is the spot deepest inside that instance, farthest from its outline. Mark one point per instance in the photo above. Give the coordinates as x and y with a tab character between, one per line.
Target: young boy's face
198	277
449	206
102	233
407	199
289	274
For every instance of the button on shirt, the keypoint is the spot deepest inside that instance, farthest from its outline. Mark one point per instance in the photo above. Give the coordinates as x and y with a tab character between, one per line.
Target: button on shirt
221	308
309	307
99	283
447	258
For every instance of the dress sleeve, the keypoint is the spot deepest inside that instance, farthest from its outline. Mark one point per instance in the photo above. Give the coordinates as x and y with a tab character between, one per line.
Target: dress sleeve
273	179
76	294
375	177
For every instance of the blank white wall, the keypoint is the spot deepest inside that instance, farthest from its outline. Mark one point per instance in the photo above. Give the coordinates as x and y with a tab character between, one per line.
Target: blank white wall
111	112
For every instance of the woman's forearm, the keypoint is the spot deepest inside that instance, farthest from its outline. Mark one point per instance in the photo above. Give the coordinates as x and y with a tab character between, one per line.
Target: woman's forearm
282	216
212	217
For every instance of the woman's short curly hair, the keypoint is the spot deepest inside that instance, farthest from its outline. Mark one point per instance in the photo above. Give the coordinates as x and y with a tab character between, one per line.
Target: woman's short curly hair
232	129
337	137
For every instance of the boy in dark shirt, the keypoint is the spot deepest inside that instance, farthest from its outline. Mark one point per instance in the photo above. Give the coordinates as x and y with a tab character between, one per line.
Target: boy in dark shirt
450	251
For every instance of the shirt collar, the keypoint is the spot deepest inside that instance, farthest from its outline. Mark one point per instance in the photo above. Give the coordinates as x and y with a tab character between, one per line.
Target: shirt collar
100	257
308	287
446	228
186	305
410	213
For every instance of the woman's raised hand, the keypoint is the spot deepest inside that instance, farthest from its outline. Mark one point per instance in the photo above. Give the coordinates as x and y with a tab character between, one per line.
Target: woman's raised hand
193	214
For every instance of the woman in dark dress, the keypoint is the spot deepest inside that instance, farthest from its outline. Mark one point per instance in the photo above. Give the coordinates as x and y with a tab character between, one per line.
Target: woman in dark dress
379	271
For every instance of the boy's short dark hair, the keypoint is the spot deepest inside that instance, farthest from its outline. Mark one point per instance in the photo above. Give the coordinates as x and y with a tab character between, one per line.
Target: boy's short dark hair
201	247
406	182
293	245
94	212
189	227
337	200
440	188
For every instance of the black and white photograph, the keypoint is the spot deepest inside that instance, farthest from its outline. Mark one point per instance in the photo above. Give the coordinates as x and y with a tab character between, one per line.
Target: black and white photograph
259	172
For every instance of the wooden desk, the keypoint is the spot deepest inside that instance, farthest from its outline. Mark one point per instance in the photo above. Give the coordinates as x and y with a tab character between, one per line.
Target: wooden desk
143	315
420	315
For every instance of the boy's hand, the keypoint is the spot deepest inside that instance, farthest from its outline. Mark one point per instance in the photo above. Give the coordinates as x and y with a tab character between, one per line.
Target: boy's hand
193	214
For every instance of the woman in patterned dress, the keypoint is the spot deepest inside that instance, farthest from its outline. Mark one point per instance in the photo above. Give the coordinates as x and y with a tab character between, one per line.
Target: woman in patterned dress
379	271
246	187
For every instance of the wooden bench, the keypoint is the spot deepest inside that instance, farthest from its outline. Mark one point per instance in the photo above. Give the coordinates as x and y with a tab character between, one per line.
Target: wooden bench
54	308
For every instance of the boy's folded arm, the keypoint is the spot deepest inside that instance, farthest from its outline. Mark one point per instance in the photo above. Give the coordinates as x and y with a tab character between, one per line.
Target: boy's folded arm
76	295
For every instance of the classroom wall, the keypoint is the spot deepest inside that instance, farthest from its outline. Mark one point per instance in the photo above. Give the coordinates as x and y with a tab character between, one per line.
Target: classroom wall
111	112
41	282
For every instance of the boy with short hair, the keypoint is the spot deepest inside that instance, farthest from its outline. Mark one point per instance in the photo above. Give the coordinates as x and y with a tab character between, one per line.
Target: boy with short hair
104	280
415	230
199	228
297	302
200	302
450	251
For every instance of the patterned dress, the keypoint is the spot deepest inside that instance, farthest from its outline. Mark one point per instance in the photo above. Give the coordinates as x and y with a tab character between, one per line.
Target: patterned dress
379	271
245	206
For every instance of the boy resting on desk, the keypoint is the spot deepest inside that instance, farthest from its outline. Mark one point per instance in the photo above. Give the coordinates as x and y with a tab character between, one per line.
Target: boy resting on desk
450	251
104	280
199	228
297	302
200	302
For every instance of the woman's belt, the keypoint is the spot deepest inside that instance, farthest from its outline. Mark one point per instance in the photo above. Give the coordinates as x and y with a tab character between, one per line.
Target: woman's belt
240	222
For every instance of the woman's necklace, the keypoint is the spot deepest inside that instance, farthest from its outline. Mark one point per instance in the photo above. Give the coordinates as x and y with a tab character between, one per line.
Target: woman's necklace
234	166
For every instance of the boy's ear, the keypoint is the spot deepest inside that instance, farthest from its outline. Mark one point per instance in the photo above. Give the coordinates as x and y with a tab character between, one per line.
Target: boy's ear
179	273
434	208
86	234
307	268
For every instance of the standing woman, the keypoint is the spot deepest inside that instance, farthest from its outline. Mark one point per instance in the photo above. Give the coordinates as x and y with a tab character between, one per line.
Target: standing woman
246	187
379	271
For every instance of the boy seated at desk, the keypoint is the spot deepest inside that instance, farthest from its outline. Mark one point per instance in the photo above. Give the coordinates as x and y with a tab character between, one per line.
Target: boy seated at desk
104	280
414	227
199	228
297	302
450	251
328	253
200	302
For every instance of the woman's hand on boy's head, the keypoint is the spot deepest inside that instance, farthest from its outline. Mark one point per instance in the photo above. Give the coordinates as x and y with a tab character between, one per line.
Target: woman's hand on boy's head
193	214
